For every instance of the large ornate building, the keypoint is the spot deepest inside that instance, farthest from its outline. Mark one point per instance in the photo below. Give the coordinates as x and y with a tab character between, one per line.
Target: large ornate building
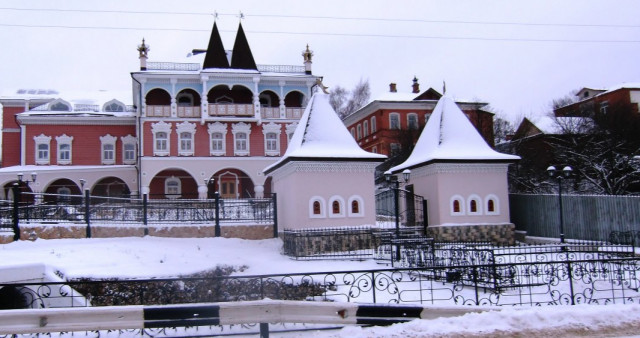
190	129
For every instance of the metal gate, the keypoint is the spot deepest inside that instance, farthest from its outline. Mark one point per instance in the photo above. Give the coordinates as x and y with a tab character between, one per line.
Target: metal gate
412	208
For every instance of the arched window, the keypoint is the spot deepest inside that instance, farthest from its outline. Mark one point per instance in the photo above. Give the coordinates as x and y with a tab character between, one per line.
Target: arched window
316	207
394	121
457	206
373	124
492	205
337	206
365	128
474	205
356	206
359	131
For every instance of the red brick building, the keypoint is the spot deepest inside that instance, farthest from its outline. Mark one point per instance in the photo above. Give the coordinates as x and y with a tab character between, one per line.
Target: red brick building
392	122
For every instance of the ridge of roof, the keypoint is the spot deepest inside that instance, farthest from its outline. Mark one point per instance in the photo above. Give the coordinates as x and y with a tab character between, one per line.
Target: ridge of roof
216	56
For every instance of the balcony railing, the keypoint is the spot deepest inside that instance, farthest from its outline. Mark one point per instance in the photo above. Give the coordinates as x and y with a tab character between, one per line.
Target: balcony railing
230	109
189	111
159	111
294	113
222	110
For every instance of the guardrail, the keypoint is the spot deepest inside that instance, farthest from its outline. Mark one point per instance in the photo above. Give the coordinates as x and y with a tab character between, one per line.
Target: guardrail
34	321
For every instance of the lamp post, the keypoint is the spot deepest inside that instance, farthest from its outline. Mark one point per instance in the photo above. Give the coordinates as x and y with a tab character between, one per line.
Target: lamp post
566	172
391	179
34	176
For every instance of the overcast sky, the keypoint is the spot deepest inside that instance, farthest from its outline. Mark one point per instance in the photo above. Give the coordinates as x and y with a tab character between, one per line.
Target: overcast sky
516	55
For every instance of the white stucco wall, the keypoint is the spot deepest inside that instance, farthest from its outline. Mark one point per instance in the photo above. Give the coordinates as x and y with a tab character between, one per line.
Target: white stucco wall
440	182
297	183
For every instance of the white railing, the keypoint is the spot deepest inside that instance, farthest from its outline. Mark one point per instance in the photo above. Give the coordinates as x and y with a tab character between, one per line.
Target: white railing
230	109
270	112
281	68
188	111
173	66
294	113
158	111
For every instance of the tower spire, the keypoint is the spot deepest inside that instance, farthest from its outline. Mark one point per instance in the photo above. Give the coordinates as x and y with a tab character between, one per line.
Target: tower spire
216	56
307	55
143	51
242	58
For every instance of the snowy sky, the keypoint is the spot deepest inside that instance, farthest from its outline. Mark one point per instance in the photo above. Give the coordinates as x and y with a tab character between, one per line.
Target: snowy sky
516	55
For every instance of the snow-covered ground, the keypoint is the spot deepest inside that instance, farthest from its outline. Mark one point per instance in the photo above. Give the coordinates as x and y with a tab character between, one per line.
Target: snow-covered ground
164	257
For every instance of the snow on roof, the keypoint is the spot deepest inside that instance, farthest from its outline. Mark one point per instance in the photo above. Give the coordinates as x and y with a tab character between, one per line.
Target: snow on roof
396	96
449	135
557	125
320	134
625	85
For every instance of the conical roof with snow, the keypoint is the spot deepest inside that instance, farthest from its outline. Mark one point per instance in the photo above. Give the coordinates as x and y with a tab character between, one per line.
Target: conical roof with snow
321	136
449	136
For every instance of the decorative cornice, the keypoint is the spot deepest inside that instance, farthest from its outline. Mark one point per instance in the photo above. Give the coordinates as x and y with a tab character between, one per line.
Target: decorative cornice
459	168
77	120
324	167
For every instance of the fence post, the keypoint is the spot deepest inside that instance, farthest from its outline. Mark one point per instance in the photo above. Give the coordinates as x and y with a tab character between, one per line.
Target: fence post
87	211
145	222
217	224
264	330
425	215
16	211
274	203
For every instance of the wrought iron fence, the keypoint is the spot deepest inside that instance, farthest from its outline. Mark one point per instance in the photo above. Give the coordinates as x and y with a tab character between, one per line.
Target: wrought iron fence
79	209
555	280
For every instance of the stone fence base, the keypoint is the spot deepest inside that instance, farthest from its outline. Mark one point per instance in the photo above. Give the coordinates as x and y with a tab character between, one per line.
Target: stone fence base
498	234
58	231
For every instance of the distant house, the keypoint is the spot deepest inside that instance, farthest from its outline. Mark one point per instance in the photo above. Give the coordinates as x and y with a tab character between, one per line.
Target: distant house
393	121
188	130
589	101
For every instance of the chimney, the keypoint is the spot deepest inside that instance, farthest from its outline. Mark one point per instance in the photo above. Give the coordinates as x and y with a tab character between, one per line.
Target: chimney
392	88
143	50
415	86
307	55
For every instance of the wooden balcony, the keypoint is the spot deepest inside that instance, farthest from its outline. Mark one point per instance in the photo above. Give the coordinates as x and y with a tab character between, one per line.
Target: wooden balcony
189	111
230	109
159	111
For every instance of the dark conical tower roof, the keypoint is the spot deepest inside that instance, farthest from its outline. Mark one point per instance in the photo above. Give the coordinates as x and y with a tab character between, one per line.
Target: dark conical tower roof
216	56
242	57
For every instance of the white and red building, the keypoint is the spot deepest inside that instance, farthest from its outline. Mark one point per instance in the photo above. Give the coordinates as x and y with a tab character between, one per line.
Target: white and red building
189	129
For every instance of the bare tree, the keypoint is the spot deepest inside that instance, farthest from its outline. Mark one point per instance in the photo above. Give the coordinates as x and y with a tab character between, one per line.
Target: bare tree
502	129
346	102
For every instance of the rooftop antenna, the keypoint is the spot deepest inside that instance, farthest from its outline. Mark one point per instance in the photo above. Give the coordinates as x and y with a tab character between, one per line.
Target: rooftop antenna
215	15
241	16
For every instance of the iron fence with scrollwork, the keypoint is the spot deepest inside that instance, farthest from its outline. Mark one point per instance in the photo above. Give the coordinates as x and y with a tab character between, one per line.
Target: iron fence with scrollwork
556	280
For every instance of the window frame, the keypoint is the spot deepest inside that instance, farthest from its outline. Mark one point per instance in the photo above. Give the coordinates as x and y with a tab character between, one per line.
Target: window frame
461	202
358	199
478	204
105	142
45	141
168	184
272	132
217	128
496	205
412	121
341	207
394	118
64	140
128	141
321	201
165	129
241	130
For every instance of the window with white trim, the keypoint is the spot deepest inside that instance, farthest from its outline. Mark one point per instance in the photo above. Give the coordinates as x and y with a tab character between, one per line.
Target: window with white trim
373	124
64	149
161	131
317	207
128	149
290	129
108	146
356	206
359	131
412	121
271	133
475	205
186	131
394	149
217	137
426	118
365	128
241	132
60	105
42	148
492	205
394	121
172	187
456	205
336	207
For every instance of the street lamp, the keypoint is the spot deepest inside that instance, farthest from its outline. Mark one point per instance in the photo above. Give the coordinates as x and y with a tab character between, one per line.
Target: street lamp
565	173
82	183
34	175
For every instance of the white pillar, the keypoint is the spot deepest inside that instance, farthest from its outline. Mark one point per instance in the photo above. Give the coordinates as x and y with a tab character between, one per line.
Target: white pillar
259	191
202	191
